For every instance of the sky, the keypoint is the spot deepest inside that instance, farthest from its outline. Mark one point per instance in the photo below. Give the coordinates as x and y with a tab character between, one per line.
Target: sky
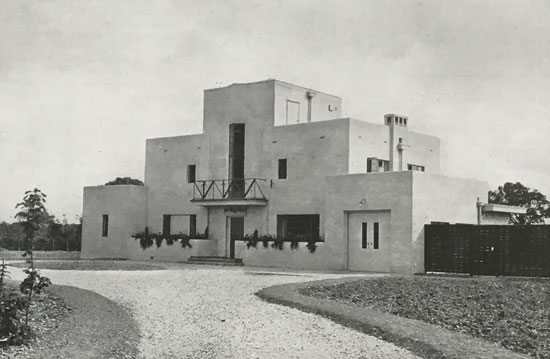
84	83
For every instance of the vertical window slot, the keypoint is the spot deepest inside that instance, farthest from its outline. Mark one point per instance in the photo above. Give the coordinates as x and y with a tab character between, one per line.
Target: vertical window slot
364	235
376	234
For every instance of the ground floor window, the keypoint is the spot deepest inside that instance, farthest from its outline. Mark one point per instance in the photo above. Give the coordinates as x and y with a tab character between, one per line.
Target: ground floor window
298	225
105	226
179	224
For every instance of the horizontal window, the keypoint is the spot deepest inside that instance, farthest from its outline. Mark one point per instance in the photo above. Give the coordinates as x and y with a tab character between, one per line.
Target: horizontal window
301	225
179	224
412	167
377	165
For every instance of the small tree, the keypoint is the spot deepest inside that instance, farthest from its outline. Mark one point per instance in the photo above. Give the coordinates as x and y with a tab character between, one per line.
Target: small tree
32	215
516	194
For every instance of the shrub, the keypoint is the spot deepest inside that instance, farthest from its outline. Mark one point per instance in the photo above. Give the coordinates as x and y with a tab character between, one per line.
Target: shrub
12	329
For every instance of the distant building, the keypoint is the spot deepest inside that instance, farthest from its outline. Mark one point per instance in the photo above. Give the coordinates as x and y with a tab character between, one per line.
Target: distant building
279	159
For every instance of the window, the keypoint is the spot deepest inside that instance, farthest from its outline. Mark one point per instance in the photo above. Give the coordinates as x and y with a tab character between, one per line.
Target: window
191	173
105	226
411	167
292	112
192	224
282	168
298	225
236	160
364	235
376	165
166	224
375	234
179	223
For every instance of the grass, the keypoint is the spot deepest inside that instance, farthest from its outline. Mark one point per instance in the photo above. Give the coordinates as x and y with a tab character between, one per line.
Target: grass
90	265
69	322
512	312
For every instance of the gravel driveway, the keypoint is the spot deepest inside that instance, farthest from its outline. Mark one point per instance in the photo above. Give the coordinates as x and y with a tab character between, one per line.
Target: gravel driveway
212	312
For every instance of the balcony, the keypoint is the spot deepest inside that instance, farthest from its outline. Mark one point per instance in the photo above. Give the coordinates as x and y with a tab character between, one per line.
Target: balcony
229	192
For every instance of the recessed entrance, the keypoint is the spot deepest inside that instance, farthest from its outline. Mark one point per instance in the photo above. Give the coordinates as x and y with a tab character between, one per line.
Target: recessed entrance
235	232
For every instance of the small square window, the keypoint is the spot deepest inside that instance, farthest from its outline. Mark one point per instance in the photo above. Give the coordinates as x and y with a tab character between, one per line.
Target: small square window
191	169
105	226
282	168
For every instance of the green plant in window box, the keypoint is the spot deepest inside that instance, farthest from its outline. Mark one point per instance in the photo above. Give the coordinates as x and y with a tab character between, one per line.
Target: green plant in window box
146	239
251	240
294	241
312	243
278	243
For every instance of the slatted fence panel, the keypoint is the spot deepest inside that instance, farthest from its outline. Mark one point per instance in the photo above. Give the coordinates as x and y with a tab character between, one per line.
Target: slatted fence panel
488	249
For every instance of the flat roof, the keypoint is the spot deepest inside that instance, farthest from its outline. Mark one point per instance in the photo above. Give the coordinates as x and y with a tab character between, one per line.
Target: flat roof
502	208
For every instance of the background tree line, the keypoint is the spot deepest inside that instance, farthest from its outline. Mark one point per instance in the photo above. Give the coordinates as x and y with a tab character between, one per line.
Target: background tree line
53	235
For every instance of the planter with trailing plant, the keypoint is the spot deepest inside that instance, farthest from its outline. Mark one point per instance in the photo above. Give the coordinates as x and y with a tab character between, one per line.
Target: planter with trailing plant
146	239
277	242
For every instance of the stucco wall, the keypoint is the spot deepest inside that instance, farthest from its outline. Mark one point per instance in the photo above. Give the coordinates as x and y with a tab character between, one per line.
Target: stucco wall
166	177
390	191
312	150
442	199
373	140
127	210
251	104
319	104
173	253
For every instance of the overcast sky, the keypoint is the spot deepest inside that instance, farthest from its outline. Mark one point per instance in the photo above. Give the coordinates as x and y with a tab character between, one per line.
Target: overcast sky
84	83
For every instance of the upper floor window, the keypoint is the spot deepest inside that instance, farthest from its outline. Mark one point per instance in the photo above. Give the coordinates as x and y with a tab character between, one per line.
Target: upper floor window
191	169
282	168
377	165
292	112
411	167
105	226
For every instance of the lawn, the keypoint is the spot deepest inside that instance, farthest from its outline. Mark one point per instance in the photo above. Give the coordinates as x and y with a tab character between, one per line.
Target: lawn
512	312
69	322
90	265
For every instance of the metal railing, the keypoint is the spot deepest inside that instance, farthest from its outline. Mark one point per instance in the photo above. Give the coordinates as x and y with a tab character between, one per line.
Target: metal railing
228	189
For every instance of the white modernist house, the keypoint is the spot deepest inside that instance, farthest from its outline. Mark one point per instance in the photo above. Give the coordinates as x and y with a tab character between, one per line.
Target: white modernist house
279	159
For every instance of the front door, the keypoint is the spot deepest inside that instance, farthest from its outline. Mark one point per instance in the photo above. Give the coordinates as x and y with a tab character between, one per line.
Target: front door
236	231
369	241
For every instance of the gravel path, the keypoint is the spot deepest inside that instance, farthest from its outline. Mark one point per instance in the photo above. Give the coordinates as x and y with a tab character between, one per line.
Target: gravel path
206	312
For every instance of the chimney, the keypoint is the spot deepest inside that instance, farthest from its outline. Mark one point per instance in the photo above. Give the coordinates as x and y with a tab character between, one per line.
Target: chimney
393	120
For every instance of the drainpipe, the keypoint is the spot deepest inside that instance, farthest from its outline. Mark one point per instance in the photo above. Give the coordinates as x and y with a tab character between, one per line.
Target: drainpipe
400	152
310	95
392	128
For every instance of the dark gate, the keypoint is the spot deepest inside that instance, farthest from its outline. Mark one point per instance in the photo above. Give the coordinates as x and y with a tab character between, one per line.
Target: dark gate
487	249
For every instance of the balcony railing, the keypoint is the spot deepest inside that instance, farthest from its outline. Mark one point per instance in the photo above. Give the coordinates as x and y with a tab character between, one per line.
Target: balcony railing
229	189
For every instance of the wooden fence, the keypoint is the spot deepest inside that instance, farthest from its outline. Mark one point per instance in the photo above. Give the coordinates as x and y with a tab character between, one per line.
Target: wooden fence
487	249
